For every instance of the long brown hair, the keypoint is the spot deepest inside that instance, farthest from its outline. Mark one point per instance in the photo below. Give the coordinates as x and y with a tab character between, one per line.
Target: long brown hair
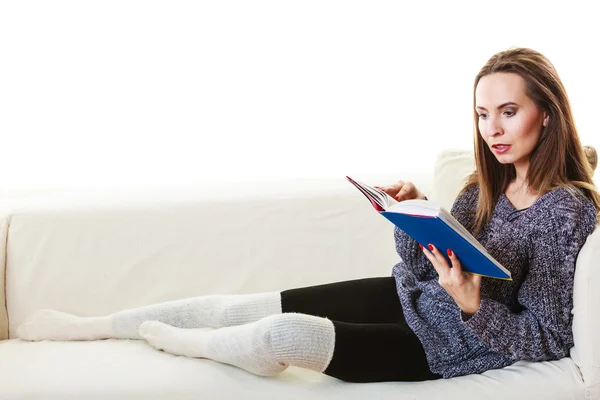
558	159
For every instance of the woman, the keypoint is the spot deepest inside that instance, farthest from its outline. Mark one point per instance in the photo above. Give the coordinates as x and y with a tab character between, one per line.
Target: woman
531	202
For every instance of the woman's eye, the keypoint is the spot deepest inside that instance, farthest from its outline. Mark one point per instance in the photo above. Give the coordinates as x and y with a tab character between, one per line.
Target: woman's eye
482	116
509	113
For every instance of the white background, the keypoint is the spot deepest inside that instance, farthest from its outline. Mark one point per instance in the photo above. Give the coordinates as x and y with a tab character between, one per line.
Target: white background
188	92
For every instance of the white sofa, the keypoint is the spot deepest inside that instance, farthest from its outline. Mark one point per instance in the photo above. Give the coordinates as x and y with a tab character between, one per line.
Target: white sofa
93	253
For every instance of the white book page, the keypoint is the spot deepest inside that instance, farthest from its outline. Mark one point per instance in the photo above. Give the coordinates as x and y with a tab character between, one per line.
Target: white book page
416	207
380	197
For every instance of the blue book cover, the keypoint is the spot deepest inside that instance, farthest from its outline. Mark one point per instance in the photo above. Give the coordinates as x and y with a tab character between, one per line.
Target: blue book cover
428	223
432	229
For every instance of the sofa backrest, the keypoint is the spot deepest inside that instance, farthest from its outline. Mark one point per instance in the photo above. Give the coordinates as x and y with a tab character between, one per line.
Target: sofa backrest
96	253
451	169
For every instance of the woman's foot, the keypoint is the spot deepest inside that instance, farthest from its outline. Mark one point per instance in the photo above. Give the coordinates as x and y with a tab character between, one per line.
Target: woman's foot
56	325
245	346
177	341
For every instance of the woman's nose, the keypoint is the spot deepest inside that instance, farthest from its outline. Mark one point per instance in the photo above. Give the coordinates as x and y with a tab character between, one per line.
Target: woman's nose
493	127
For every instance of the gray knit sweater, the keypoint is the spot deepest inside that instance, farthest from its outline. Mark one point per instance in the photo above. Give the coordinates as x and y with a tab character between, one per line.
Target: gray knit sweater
528	318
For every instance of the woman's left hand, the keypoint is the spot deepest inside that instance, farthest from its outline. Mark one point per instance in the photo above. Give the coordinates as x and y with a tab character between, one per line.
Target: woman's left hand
464	288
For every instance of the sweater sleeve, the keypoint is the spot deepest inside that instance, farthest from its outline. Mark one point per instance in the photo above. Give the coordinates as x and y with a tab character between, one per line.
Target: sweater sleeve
408	249
412	258
542	329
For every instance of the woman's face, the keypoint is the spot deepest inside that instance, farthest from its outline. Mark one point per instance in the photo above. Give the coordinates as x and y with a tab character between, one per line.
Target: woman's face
509	121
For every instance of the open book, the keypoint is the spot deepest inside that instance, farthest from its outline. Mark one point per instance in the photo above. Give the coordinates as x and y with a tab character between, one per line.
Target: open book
427	222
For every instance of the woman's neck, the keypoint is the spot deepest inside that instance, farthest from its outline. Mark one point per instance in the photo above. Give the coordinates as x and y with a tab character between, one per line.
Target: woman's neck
520	194
521	169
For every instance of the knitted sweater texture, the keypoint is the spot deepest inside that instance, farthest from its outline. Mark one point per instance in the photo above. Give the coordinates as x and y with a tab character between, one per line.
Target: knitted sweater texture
528	318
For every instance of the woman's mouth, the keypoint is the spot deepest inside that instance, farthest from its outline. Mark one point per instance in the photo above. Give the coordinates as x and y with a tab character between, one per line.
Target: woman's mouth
501	148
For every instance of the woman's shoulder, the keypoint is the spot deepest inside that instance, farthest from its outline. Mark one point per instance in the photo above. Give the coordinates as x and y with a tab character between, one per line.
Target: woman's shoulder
565	206
467	198
568	197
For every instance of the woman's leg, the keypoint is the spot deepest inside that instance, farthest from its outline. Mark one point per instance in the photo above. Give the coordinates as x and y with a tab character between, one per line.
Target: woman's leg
204	311
364	300
265	347
370	300
378	353
351	352
373	343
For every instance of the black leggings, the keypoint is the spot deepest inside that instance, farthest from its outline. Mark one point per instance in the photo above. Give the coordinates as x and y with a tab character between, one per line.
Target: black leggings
373	343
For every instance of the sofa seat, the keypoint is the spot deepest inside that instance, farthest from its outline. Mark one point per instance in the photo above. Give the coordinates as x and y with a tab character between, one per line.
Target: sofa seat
131	369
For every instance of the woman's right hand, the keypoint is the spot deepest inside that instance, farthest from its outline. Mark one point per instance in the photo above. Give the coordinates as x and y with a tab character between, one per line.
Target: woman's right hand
403	191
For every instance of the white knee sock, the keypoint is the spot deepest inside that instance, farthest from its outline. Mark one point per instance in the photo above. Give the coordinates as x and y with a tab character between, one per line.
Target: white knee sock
264	347
205	311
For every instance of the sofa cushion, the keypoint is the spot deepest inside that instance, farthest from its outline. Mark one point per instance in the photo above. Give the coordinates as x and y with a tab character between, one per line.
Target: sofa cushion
452	167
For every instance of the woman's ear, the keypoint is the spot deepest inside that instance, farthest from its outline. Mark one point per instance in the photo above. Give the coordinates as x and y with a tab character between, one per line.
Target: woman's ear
546	117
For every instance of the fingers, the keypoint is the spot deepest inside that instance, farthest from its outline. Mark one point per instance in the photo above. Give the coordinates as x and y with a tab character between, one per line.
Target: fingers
392	190
407	192
401	190
456	270
465	290
440	263
437	259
